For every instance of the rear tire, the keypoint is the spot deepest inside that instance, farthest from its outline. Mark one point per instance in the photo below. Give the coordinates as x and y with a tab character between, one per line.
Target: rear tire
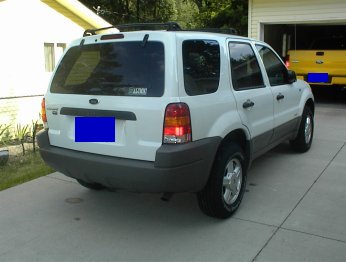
224	191
302	142
93	186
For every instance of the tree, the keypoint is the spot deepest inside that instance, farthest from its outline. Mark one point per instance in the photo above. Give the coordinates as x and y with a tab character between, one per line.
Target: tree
188	13
185	13
223	14
127	11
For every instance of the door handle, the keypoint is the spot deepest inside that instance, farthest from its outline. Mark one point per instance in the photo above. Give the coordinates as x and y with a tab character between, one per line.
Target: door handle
280	97
248	104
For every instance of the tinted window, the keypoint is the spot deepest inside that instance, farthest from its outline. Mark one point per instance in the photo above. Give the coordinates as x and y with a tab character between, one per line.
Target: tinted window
112	69
201	62
276	70
246	73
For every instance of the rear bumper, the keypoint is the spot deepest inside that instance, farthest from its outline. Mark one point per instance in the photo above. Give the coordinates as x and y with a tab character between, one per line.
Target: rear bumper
334	80
177	168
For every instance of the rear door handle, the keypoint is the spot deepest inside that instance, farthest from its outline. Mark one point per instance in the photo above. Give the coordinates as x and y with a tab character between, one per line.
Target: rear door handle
280	97
248	104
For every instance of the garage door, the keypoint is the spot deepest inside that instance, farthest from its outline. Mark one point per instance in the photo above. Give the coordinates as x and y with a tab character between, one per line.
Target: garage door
283	37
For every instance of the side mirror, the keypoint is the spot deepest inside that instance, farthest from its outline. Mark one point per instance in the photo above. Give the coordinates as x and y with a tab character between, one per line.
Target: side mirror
291	77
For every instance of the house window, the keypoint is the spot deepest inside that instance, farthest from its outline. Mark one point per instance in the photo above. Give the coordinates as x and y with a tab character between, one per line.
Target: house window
60	48
49	57
52	54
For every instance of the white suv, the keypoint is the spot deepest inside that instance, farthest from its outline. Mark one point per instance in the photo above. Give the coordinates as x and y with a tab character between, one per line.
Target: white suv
172	111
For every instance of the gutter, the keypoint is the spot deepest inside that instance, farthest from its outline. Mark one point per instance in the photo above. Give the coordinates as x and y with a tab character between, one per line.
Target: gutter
84	13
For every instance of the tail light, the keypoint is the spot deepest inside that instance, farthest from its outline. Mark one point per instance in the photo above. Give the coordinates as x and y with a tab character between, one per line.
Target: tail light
287	61
113	36
43	112
177	124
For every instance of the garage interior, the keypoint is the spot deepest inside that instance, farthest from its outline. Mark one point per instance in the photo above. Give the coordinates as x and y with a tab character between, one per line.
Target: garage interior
283	37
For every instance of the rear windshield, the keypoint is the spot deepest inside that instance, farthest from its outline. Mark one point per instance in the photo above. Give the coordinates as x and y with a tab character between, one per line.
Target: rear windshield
112	69
336	43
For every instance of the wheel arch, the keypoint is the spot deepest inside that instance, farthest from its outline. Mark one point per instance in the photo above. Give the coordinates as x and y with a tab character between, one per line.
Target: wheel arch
239	137
310	103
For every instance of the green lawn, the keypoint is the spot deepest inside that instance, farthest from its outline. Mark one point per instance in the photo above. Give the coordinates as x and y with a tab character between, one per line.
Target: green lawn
20	169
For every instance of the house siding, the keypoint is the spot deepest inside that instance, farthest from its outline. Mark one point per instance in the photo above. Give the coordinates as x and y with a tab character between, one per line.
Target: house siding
12	112
294	11
23	79
29	25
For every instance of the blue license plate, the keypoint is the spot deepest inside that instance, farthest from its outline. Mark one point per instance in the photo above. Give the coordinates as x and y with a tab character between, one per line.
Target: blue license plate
95	129
318	78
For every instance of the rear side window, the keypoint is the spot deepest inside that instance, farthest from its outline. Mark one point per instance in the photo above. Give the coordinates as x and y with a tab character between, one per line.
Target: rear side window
201	62
246	73
112	69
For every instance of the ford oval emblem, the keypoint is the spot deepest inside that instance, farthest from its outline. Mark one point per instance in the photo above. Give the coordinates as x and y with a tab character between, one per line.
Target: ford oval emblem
93	101
319	62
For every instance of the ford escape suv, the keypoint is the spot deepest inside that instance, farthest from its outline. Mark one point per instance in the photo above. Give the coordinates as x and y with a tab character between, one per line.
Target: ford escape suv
171	111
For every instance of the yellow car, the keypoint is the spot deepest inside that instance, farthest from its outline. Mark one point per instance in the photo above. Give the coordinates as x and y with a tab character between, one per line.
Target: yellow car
323	64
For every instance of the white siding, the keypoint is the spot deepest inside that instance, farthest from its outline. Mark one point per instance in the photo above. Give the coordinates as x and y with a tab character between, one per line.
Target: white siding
26	26
294	11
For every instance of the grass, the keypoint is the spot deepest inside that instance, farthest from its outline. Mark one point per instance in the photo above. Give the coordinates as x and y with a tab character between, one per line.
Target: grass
20	169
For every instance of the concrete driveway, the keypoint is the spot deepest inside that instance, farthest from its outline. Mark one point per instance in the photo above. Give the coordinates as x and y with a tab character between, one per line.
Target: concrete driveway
294	210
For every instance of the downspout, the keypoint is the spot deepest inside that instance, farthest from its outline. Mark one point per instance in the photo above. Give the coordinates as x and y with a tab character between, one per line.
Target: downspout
249	26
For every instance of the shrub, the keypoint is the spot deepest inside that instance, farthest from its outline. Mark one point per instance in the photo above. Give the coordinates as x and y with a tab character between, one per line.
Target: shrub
21	134
4	133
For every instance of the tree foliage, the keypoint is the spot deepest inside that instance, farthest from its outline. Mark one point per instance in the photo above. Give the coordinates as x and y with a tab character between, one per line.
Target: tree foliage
223	14
188	13
127	11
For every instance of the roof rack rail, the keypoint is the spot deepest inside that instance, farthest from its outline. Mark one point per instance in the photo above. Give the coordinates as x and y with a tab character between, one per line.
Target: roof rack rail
169	26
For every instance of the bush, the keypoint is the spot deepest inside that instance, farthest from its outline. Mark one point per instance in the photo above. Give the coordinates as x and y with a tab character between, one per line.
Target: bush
4	133
20	134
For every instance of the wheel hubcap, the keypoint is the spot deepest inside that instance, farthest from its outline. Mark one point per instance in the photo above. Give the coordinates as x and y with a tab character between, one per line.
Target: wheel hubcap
308	129
232	181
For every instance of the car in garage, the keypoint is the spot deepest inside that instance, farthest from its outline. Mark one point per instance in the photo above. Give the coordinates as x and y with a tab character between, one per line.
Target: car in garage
323	63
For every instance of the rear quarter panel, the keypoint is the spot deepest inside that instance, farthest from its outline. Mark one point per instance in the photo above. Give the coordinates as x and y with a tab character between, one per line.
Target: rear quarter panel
213	114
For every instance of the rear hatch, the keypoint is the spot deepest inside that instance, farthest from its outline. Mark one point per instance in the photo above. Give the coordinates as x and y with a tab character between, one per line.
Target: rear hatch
315	61
109	93
325	60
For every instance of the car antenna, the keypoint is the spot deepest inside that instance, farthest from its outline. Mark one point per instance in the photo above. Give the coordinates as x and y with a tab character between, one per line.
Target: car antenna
145	40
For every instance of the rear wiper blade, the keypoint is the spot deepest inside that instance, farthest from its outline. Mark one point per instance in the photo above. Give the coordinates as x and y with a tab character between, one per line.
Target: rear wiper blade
145	40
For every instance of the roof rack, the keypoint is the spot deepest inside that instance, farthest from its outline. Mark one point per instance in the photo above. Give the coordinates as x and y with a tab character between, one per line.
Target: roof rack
169	26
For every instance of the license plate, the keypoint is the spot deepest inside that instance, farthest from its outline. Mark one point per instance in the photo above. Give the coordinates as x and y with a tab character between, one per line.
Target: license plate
318	78
95	129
